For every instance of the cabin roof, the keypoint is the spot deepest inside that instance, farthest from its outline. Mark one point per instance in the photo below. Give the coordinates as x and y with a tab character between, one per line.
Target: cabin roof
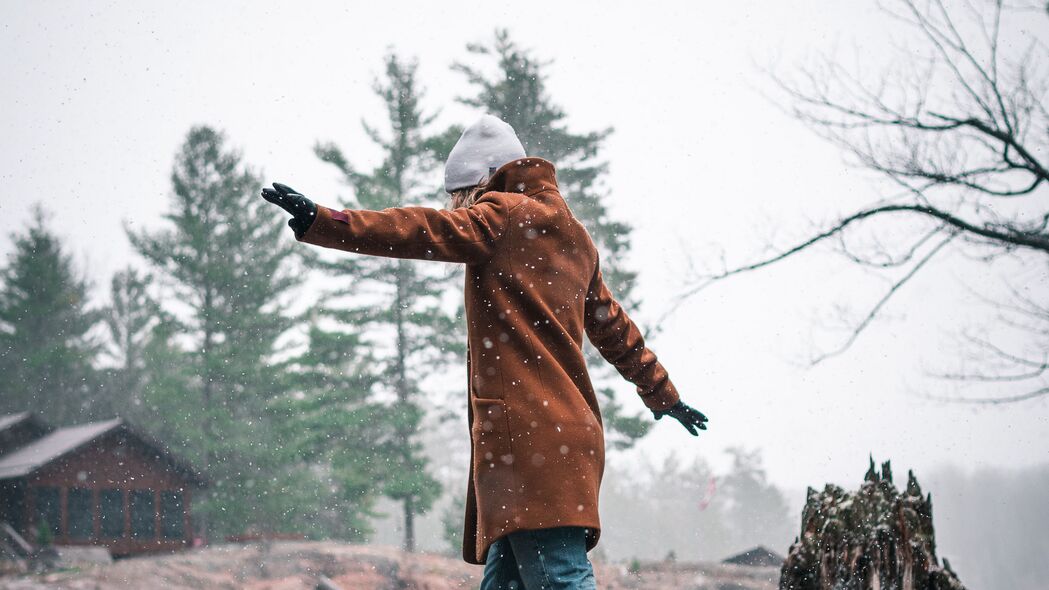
62	441
758	556
27	459
10	420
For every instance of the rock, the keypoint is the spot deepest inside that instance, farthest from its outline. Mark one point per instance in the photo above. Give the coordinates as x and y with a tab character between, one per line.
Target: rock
69	556
325	583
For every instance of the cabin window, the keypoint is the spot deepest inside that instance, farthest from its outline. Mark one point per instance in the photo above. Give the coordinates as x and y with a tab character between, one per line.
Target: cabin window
111	513
171	515
81	513
143	514
12	504
48	509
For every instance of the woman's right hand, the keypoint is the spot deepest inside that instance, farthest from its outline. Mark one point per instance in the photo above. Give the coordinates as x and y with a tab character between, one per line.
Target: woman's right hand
302	209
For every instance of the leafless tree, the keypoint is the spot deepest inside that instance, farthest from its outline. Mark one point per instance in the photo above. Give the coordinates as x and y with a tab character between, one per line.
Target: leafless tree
962	137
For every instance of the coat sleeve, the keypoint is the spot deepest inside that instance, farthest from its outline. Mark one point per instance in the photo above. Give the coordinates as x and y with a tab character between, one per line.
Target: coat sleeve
619	341
465	234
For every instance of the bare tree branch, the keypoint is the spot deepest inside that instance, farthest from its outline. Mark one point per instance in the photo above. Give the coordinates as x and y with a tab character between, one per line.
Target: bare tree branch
1007	399
881	302
964	133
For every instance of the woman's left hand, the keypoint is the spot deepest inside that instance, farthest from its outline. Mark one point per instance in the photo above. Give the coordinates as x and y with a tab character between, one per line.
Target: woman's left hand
688	416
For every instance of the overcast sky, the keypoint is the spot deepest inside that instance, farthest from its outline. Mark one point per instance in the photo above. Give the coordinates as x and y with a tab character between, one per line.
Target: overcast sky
98	96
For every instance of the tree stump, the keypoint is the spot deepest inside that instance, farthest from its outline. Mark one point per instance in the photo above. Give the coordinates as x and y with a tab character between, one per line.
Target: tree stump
875	538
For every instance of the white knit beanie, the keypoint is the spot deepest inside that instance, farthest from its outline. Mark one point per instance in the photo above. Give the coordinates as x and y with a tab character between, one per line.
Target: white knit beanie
483	147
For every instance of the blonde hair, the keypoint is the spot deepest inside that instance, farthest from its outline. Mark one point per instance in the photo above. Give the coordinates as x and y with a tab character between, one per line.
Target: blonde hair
467	196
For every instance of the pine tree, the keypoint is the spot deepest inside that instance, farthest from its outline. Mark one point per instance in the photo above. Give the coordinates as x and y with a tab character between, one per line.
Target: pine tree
46	350
168	409
330	422
452	524
516	92
224	265
663	505
424	336
129	319
755	509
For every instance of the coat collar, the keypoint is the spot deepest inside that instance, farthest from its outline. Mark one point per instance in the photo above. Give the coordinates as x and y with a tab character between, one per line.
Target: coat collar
525	175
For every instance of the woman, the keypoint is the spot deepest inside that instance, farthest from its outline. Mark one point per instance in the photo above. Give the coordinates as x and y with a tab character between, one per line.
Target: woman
533	287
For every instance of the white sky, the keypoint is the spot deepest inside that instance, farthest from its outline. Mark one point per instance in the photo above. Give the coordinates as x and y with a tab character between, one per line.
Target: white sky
98	96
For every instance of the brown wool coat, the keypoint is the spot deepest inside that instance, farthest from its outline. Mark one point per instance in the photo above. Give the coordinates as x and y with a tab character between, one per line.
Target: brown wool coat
533	287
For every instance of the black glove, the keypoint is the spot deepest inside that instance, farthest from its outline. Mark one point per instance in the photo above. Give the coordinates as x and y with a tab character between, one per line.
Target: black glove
688	416
304	211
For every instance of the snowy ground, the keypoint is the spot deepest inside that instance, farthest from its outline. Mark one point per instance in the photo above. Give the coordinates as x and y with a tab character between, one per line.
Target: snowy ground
298	566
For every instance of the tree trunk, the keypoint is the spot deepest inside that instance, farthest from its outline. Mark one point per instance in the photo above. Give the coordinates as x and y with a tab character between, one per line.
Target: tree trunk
403	395
207	395
873	539
409	525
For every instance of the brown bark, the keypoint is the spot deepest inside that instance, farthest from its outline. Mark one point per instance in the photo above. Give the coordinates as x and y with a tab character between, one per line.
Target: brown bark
876	538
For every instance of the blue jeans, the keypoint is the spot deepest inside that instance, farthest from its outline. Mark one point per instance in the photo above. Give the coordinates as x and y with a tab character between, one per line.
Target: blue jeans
545	559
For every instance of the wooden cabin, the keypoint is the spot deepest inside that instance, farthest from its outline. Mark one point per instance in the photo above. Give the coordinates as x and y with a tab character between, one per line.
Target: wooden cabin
757	557
102	483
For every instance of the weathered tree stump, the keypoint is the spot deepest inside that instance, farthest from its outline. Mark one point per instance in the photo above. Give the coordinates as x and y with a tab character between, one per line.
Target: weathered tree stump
873	539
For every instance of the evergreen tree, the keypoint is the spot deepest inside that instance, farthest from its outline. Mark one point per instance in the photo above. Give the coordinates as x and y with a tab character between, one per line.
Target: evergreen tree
46	351
168	409
150	373
129	319
224	265
655	508
516	92
452	524
755	509
331	423
409	311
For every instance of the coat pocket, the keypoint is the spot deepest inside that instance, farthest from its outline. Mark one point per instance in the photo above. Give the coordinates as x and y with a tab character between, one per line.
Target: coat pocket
491	434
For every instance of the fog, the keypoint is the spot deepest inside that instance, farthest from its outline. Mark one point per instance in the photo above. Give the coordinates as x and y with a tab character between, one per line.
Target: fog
706	164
